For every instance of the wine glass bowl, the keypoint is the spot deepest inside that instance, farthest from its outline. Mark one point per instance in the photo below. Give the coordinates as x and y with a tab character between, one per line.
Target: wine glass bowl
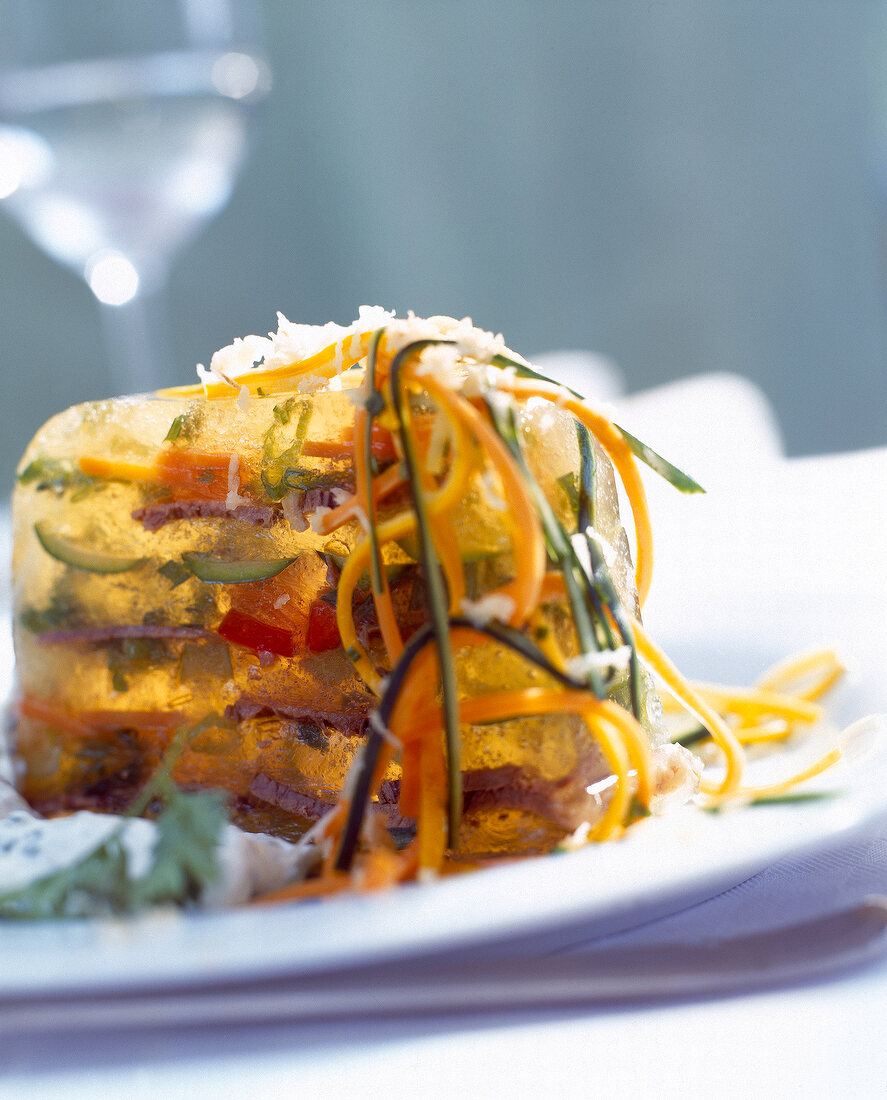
114	154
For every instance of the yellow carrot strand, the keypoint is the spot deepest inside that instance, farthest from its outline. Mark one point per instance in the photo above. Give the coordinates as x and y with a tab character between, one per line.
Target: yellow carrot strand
529	546
326	363
613	442
723	736
385	616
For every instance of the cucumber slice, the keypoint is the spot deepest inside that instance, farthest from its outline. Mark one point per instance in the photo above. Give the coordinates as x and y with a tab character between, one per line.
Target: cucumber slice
225	571
80	556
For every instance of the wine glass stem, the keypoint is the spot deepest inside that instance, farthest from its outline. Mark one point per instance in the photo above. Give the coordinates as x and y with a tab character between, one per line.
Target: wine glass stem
138	343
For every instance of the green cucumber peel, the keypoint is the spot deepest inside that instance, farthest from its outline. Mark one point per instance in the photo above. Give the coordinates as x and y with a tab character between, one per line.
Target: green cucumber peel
238	571
77	555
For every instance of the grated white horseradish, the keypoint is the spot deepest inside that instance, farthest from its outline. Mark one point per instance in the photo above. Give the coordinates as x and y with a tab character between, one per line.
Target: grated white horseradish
495	606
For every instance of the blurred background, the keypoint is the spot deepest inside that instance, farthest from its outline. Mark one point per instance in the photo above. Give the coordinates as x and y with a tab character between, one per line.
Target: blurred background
684	186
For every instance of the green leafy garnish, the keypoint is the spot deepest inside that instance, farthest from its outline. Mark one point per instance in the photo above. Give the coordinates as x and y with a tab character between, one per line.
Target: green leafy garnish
101	882
186	425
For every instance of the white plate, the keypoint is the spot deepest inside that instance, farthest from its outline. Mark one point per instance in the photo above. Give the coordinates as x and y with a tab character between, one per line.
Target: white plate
728	621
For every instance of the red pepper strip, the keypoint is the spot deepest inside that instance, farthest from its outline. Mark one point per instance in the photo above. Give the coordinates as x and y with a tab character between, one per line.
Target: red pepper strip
254	634
323	633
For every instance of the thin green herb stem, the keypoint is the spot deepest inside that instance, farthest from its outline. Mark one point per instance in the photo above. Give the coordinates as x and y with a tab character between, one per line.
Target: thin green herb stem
681	481
435	587
560	548
366	763
359	798
600	574
373	400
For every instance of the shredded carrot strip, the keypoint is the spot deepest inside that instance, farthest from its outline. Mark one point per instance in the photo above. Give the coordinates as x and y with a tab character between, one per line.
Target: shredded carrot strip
382	486
723	736
529	546
752	703
381	600
389	531
445	543
408	801
823	666
383	868
432	816
774	790
613	442
332	882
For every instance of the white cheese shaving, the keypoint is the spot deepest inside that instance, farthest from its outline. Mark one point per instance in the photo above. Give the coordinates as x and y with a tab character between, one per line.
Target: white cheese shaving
290	344
238	357
281	600
234	498
579	667
243	398
581	548
310	383
494	606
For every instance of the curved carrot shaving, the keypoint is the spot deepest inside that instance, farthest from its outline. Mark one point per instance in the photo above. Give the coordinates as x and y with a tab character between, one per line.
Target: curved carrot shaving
363	491
383	868
613	442
723	736
820	669
382	486
332	882
433	801
526	530
753	703
774	790
326	363
396	528
445	542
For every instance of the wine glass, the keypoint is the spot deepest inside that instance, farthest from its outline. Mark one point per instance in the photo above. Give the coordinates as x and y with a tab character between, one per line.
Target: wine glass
123	126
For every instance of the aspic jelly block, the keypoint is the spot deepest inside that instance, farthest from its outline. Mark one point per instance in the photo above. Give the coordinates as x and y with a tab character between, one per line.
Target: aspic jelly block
176	566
